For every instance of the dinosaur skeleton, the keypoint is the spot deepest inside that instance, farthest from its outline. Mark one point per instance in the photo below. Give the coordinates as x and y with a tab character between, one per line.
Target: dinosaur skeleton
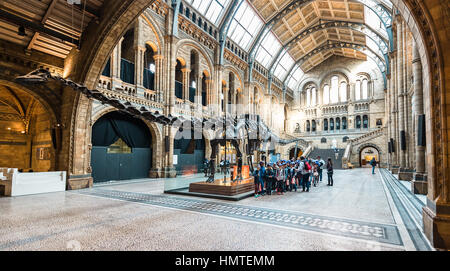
224	128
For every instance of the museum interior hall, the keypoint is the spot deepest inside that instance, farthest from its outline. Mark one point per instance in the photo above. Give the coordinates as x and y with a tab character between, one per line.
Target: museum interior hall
148	124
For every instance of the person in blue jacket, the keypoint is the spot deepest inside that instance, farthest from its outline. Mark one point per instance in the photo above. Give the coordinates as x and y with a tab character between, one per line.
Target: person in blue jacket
260	175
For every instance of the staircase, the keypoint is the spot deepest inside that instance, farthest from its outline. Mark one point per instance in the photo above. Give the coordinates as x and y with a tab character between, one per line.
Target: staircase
367	136
325	153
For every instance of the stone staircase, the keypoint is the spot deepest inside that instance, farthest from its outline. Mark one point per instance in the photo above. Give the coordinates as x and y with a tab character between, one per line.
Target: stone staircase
357	141
366	137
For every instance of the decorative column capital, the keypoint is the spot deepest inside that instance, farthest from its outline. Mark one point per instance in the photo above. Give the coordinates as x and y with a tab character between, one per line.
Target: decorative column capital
186	70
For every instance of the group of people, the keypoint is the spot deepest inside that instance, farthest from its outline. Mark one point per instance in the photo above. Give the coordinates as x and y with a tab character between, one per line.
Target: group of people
290	175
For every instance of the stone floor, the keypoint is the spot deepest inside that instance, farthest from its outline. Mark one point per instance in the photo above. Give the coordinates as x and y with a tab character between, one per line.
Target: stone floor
358	213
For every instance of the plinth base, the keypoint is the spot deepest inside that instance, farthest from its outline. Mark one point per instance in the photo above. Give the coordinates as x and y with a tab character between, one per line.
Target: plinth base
405	174
419	184
223	187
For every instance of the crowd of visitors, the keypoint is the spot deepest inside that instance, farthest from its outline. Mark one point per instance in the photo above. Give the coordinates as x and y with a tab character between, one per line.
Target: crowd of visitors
290	175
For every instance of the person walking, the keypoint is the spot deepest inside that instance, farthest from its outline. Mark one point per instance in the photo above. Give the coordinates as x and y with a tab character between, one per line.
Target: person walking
330	172
321	165
373	163
305	168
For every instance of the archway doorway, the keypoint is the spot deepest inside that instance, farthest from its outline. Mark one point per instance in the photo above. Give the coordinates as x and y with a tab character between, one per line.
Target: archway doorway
121	148
28	133
189	152
292	153
366	154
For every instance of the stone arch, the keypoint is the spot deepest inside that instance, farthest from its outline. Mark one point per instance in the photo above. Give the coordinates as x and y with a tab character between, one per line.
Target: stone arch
229	68
366	145
53	115
344	72
155	131
156	31
199	49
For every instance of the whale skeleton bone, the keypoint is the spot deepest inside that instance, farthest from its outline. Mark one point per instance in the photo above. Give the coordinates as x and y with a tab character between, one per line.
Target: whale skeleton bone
224	126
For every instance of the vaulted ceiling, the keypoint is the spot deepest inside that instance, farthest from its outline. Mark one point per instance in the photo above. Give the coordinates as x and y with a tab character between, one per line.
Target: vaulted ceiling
56	27
313	13
51	26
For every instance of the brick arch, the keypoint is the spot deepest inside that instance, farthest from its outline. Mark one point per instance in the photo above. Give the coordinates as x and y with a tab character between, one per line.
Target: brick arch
365	145
199	49
155	131
228	69
156	31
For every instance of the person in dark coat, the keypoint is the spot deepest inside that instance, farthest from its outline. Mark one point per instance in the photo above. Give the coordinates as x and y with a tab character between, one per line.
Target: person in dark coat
373	163
330	172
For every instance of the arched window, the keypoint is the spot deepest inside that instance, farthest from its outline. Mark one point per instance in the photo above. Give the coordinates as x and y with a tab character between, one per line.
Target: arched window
331	124
204	90
325	124
326	94
358	122
365	122
308	127
365	91
338	123
128	58
308	96
344	123
343	91
313	96
313	125
222	97
193	76
334	94
358	90
178	80
149	68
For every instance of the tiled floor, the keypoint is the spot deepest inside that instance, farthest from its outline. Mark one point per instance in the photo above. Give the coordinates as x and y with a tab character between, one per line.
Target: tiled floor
354	214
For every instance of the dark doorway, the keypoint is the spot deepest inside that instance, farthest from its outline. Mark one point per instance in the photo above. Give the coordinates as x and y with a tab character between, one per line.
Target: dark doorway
121	148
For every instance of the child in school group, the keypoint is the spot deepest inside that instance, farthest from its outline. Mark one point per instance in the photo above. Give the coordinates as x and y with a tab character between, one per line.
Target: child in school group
288	175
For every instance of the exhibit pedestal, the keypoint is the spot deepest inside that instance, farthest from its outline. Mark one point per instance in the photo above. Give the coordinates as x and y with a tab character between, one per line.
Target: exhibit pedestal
223	187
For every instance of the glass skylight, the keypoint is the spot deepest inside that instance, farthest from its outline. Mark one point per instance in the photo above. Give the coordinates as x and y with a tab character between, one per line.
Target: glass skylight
245	25
373	21
284	65
269	47
211	9
294	77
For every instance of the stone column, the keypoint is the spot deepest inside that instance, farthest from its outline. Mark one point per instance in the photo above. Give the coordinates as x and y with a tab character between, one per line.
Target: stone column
404	173
115	65
209	95
225	92
419	184
393	110
186	73
139	70
159	69
169	104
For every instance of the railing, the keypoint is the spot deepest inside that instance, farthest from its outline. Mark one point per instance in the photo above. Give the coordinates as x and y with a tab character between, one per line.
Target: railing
376	132
308	150
347	153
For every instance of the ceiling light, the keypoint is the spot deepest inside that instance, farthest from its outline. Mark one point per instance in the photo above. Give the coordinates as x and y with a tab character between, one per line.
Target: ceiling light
21	31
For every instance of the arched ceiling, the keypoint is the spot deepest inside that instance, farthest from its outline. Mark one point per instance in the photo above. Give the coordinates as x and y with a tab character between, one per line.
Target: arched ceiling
56	27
